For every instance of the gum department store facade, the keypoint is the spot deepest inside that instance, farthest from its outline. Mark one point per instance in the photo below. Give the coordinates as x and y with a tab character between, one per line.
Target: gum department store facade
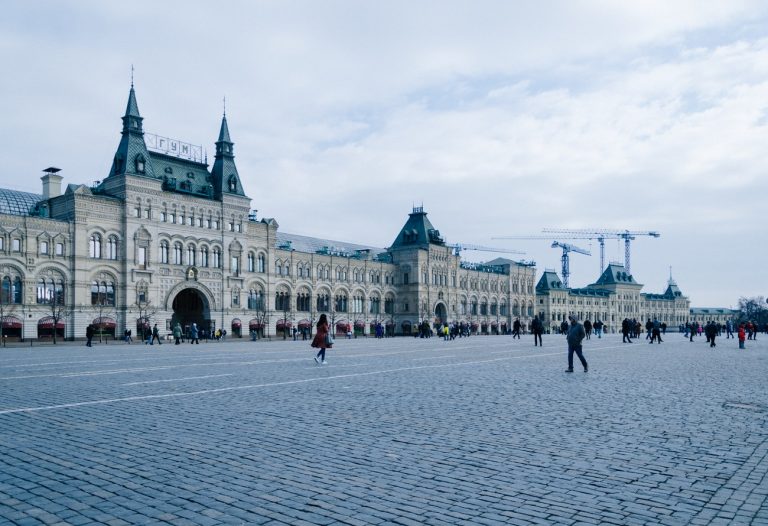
163	240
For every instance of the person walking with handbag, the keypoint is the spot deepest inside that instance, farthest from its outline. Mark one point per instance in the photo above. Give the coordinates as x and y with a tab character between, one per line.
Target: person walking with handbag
322	340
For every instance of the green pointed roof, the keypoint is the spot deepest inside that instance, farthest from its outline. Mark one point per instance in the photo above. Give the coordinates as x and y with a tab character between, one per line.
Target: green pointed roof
226	180
549	281
132	156
224	131
673	290
616	274
417	232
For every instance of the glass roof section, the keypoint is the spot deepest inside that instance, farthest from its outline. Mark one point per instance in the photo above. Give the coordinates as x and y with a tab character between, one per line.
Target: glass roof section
17	203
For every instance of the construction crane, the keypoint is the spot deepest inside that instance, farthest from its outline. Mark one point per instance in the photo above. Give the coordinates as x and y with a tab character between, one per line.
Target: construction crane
601	234
458	247
566	249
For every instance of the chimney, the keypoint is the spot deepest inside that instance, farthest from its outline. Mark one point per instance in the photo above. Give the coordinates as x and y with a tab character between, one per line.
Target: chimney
51	183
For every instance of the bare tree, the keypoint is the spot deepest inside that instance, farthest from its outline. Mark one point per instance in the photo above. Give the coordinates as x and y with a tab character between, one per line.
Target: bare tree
103	309
58	312
6	309
146	312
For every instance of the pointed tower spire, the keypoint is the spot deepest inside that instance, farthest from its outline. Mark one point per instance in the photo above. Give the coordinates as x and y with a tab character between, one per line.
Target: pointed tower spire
224	171
132	156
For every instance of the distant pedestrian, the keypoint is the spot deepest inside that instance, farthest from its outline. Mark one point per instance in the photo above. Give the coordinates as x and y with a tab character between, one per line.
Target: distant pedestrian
588	329
599	328
728	329
576	335
89	335
322	339
194	334
128	338
742	336
711	331
656	331
155	336
177	333
537	328
516	328
625	328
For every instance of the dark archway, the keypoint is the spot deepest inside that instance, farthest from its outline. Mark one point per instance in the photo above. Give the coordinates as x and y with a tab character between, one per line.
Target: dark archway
190	306
441	314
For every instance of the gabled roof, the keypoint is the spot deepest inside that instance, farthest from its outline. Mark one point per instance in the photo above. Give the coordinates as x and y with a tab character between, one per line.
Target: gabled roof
672	289
549	281
417	232
616	274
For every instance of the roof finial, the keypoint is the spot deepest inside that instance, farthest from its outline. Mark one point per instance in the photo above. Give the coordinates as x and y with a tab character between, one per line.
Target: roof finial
131	75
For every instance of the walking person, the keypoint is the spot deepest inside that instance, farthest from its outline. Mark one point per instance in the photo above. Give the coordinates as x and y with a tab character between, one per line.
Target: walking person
742	336
588	329
711	331
128	338
516	329
177	333
155	336
322	339
599	328
576	335
89	335
194	334
728	329
537	328
656	331
625	331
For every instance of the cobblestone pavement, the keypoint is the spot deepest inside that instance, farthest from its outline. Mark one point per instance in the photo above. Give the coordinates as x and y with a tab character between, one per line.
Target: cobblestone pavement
484	430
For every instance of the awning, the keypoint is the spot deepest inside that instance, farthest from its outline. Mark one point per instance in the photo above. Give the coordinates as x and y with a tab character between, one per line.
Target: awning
47	323
283	324
236	323
105	322
305	324
359	323
11	322
255	324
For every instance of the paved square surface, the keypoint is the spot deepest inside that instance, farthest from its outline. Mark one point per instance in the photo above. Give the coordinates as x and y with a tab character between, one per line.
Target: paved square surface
484	430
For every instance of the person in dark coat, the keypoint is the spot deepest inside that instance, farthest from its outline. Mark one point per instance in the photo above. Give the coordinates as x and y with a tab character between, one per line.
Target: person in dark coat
588	328
322	339
710	329
516	328
537	328
625	331
89	335
575	336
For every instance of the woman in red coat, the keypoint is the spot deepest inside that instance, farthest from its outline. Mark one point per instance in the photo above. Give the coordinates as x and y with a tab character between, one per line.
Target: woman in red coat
322	339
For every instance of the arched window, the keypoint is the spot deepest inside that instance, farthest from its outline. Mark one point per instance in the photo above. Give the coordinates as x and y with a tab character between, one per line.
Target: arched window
341	303
389	305
323	303
177	253
251	262
255	299
112	247
282	301
232	183
94	246
303	301
204	257
374	305
164	252
191	255
5	293
261	263
216	258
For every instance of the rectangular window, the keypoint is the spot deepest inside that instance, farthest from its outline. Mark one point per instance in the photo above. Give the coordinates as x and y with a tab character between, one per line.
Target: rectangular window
209	223
405	279
59	248
44	247
171	218
163	217
235	266
142	257
16	245
137	212
200	222
215	225
238	227
147	214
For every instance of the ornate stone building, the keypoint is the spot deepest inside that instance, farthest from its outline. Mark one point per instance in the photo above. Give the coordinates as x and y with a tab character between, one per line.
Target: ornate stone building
163	239
614	296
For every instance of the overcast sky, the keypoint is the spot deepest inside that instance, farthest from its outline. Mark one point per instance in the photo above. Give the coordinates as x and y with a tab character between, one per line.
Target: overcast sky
500	117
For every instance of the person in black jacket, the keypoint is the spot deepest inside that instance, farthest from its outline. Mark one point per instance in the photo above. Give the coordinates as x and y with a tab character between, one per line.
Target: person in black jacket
625	331
576	334
537	328
89	335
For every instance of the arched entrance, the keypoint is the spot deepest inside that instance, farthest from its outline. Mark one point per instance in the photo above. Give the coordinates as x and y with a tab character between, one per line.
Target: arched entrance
441	314
190	306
